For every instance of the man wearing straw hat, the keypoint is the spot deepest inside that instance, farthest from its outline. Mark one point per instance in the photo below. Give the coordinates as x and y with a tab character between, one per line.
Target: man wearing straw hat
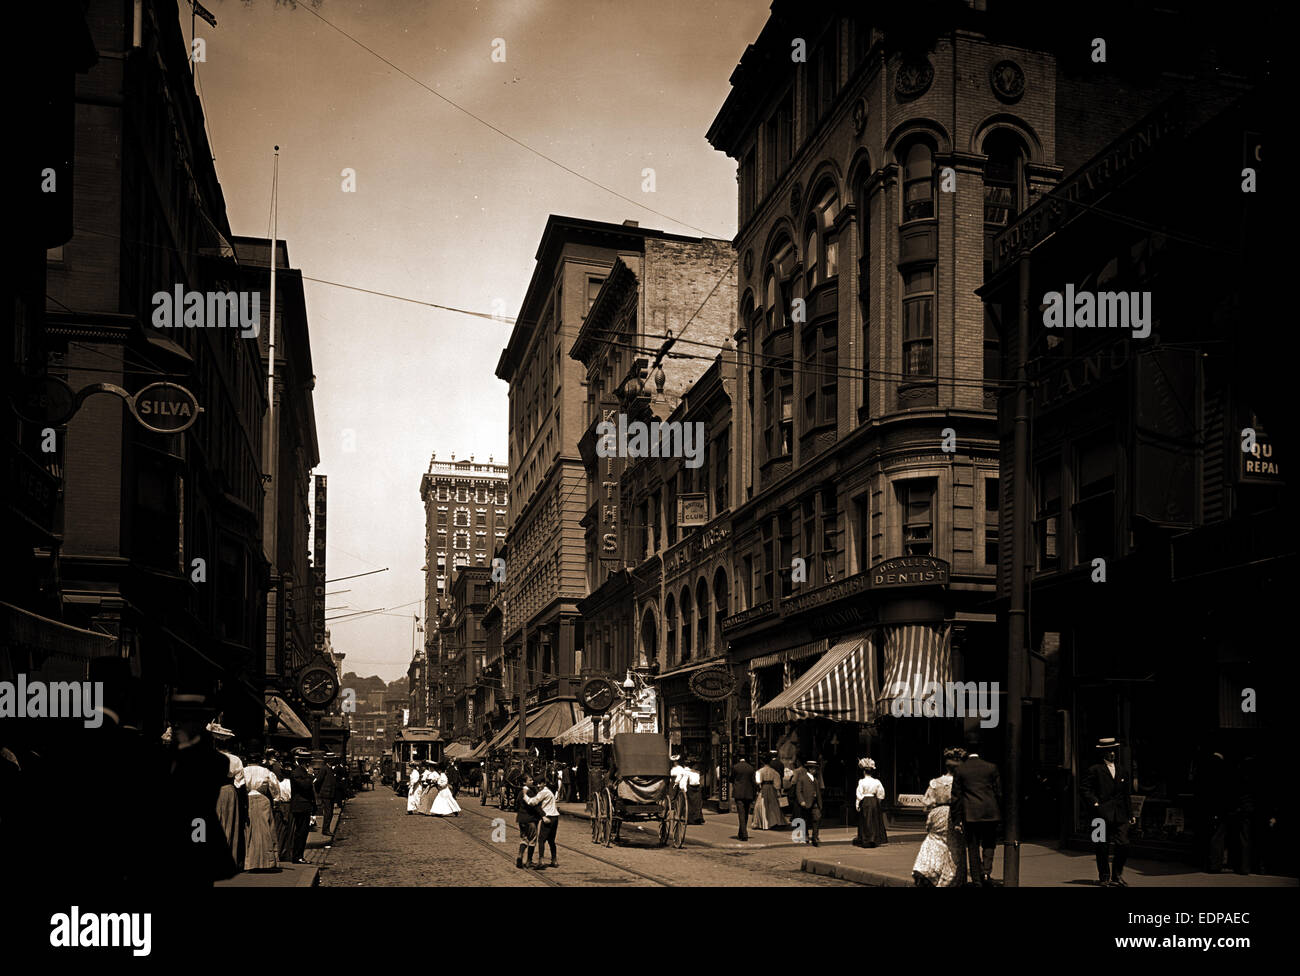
1105	788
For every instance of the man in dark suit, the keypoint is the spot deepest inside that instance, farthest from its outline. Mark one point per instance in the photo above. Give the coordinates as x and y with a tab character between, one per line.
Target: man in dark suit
302	803
1105	788
742	792
808	796
977	805
326	786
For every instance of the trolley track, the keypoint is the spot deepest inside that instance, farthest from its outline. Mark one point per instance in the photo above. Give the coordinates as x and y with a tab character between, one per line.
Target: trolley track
541	875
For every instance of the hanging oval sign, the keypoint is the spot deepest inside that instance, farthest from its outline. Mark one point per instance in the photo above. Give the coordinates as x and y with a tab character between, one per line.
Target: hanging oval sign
165	408
713	683
47	401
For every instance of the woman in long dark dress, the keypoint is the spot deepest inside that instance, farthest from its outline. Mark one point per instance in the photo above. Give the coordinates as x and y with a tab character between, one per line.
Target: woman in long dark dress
767	806
871	820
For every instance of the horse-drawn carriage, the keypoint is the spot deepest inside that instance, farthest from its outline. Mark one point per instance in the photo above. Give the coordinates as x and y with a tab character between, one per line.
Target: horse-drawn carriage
637	787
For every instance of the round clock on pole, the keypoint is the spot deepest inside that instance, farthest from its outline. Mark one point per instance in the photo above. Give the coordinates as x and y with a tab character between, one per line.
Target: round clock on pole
318	686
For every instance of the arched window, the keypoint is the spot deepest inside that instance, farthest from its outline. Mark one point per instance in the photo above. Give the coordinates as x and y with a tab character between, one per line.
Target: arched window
918	182
821	248
686	624
721	603
702	617
649	640
670	631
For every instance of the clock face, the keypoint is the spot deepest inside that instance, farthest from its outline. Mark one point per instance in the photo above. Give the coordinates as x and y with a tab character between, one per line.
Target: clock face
318	686
598	694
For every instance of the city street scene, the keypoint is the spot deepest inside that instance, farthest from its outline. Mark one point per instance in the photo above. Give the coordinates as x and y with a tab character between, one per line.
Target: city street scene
583	444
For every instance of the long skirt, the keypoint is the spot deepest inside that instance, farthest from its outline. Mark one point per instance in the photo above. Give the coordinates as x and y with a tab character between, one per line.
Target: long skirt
444	804
231	822
413	799
934	860
871	824
694	805
767	809
260	841
284	830
427	794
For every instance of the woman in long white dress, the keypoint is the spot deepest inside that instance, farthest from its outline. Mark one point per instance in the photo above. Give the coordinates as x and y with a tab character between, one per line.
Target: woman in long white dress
938	859
444	804
428	787
413	791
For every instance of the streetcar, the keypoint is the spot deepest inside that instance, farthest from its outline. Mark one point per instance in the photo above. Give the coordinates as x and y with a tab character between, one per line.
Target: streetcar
637	787
413	745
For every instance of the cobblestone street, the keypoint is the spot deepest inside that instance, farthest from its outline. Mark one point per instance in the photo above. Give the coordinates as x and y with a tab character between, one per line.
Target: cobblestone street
379	845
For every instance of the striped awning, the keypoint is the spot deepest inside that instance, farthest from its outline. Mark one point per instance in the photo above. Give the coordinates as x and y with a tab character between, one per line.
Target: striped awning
916	656
841	686
619	719
790	654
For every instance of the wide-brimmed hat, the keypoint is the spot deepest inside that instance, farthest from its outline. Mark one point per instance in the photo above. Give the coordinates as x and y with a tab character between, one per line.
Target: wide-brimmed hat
866	763
219	731
302	752
1108	743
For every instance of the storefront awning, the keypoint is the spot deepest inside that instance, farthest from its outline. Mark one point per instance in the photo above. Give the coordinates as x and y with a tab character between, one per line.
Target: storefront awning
619	719
841	686
544	722
790	654
916	656
479	752
291	726
456	750
35	643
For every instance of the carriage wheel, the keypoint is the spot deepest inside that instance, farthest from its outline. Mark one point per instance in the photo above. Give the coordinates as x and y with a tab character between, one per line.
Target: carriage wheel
595	819
664	831
611	825
677	825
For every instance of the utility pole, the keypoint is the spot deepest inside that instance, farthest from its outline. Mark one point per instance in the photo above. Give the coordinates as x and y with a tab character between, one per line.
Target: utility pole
1016	617
523	712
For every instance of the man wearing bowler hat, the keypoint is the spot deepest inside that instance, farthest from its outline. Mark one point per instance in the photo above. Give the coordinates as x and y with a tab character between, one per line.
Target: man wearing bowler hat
1105	788
808	796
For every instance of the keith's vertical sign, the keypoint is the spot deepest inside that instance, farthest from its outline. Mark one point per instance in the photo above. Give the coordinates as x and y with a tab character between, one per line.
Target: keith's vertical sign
318	568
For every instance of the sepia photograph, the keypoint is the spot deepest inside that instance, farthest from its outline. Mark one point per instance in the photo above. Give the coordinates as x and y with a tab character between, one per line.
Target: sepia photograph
609	444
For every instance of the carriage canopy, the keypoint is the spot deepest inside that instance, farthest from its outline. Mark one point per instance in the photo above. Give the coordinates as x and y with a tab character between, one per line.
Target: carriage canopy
640	754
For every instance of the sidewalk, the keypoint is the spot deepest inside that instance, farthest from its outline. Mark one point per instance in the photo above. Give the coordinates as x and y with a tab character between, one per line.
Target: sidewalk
290	875
719	831
1041	866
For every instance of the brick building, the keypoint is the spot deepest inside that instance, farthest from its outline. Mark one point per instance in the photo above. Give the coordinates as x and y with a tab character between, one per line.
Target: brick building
630	499
465	512
542	629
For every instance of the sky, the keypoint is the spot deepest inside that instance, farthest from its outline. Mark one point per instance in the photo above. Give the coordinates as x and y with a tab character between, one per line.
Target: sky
449	211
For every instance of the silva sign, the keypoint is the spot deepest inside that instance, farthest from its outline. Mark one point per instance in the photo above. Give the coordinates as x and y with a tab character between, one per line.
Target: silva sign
165	408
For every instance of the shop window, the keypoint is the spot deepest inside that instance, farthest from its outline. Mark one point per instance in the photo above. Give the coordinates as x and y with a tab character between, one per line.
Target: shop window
917	500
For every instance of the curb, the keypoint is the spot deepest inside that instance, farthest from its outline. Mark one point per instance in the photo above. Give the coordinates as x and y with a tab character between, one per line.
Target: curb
862	876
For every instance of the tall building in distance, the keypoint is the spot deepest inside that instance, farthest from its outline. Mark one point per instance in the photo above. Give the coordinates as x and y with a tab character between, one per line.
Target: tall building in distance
465	518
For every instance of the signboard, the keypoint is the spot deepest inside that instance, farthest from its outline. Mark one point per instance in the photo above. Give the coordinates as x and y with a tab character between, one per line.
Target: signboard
165	408
318	567
692	510
609	469
46	400
713	683
724	774
904	571
910	801
1092	182
1259	465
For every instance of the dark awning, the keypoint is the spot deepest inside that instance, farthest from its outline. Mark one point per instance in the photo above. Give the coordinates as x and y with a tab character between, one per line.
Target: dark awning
544	722
291	726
